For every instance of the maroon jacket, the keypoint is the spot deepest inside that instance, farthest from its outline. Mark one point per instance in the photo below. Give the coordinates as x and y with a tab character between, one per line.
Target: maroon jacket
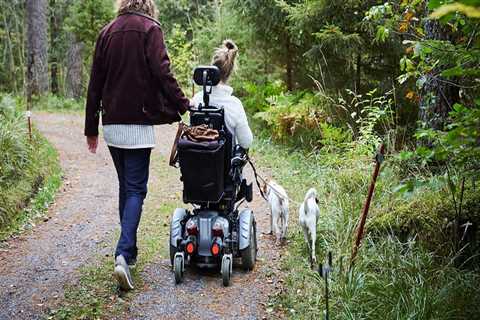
131	81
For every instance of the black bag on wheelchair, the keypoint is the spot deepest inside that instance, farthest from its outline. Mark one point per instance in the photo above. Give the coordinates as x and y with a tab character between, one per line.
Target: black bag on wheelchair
202	165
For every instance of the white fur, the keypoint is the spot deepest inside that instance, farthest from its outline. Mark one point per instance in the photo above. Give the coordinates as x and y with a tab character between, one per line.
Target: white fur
278	203
308	216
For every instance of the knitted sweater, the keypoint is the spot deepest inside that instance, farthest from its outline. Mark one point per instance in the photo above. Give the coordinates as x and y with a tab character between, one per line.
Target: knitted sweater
235	117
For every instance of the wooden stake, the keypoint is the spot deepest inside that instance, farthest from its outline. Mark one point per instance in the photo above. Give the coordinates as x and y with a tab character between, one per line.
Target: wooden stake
29	115
363	219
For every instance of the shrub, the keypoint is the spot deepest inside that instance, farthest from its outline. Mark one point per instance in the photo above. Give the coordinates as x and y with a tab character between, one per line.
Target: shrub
14	146
301	119
256	96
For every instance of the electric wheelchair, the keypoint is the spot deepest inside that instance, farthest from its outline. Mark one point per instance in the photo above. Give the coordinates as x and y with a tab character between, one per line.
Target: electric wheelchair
215	232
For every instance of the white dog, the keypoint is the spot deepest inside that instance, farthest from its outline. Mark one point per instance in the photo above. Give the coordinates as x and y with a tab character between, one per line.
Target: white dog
308	216
278	202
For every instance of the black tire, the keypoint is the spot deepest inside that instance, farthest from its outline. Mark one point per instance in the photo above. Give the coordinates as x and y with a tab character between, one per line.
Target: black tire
173	251
178	269
249	254
226	271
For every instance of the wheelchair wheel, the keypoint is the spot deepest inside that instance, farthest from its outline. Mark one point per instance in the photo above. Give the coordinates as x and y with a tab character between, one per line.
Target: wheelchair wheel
178	267
249	255
173	252
226	270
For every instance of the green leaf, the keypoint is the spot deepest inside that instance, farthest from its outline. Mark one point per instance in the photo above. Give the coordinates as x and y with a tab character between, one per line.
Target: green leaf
406	155
434	4
453	72
469	11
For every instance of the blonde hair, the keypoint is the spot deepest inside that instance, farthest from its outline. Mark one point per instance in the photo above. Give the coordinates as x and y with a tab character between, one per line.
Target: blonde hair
224	59
147	7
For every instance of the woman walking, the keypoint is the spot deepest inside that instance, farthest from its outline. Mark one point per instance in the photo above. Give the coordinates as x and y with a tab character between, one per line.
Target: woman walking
131	88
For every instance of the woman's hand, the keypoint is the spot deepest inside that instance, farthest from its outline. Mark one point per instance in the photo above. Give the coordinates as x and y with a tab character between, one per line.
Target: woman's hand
92	143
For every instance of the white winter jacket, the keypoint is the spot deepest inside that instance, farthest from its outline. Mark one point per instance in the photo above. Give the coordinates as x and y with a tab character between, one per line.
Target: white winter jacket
235	117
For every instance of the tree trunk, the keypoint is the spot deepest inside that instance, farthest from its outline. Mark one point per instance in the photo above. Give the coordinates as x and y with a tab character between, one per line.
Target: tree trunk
437	96
37	47
289	63
358	73
74	80
54	34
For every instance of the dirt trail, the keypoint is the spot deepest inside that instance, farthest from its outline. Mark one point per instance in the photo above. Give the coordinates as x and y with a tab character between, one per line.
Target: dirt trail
35	267
201	295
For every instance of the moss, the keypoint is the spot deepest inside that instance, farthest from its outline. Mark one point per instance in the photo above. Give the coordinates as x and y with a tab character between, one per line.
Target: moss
429	216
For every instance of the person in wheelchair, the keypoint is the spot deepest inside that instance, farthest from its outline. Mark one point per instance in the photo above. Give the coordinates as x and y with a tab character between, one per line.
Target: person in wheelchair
222	95
212	152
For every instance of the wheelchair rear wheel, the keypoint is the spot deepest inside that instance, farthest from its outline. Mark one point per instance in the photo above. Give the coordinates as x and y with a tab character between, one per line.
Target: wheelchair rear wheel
173	252
249	255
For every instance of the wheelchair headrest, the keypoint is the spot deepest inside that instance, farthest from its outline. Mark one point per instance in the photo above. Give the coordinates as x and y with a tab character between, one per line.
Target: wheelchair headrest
210	74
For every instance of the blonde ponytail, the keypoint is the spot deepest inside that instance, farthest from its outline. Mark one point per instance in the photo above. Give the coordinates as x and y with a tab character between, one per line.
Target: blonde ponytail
224	58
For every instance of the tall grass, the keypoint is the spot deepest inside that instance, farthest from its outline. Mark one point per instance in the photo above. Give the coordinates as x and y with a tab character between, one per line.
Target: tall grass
29	170
392	278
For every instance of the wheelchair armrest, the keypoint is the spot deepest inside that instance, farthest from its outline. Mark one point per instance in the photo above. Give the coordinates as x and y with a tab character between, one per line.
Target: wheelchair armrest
239	158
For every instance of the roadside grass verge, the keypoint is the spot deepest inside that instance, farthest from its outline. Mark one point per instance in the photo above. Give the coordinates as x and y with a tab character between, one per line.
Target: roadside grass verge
52	103
30	173
96	295
392	279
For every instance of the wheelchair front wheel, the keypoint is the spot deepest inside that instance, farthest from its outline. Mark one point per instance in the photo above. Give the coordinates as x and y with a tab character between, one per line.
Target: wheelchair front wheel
179	267
226	270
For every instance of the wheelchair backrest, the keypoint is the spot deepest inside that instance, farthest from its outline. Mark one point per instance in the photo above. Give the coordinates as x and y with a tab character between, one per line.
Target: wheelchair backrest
205	166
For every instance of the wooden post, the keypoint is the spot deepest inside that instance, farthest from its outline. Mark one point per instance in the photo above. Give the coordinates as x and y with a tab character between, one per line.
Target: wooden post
363	219
29	115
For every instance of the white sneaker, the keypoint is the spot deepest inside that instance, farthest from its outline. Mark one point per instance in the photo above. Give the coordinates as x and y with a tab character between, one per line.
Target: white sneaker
122	274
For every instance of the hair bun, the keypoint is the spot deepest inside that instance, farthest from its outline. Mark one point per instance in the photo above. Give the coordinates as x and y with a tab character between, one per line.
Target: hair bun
230	45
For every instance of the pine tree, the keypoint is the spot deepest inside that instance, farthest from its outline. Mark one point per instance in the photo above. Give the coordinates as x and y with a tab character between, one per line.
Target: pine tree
37	47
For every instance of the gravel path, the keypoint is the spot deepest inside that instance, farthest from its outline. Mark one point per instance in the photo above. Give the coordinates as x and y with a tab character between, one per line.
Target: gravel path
36	266
202	296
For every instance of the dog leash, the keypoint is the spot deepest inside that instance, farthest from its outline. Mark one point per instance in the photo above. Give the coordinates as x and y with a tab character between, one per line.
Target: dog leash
259	177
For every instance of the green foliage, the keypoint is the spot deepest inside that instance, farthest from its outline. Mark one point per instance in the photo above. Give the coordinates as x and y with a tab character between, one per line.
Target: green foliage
29	170
12	45
181	54
257	96
470	8
458	144
16	150
58	104
302	119
87	17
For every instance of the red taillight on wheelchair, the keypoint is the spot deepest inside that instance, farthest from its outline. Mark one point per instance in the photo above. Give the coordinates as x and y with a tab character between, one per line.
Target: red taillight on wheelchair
215	249
192	228
217	230
190	248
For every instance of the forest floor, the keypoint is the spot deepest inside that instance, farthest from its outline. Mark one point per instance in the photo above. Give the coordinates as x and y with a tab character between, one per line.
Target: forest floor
63	267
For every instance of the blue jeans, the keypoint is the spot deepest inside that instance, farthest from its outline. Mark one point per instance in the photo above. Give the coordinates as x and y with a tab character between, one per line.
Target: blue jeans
132	169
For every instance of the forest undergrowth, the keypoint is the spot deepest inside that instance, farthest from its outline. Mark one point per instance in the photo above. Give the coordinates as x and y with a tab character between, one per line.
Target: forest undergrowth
403	269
